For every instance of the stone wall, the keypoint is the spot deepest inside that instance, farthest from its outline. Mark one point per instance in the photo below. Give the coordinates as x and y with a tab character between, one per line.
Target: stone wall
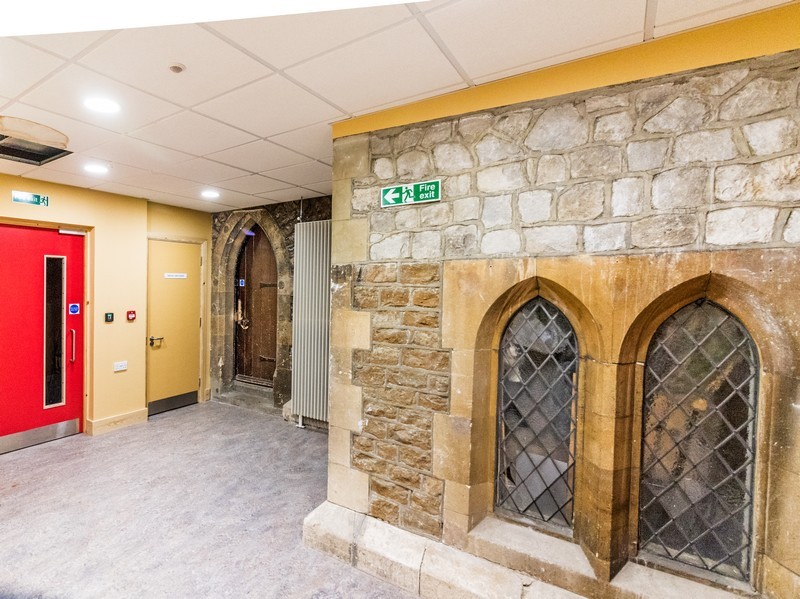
575	198
228	236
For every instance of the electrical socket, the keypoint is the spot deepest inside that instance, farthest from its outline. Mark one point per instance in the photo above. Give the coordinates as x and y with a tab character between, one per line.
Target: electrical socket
120	366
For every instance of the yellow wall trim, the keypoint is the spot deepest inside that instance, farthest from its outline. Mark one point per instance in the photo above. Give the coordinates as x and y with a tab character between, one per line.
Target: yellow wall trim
760	34
106	425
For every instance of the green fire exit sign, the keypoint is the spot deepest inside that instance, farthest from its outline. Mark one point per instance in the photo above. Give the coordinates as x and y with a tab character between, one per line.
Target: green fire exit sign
411	193
34	199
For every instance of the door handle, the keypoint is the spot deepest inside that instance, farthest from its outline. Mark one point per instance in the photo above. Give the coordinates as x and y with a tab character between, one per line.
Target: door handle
72	358
154	339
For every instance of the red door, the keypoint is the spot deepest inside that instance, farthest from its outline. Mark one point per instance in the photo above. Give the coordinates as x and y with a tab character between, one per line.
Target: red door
41	335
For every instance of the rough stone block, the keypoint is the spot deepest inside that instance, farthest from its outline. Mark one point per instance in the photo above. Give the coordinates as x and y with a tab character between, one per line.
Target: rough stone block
627	197
492	149
514	124
705	146
426	245
682	114
535	206
606	102
383	168
719	85
596	161
680	188
553	239
664	230
505	177
584	201
496	211
436	134
558	128
448	572
434	215
791	232
604	238
466	209
408	138
406	217
552	168
472	127
390	553
613	127
460	240
452	158
647	155
503	241
776	180
770	137
457	186
735	226
391	247
414	165
760	96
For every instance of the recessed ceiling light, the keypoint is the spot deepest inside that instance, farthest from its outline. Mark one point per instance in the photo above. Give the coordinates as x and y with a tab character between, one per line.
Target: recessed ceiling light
210	194
104	105
96	169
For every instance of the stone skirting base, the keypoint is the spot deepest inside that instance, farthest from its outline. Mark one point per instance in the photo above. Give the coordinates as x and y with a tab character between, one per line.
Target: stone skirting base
430	568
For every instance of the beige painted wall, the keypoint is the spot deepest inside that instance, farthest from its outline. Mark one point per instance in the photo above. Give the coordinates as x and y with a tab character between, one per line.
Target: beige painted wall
116	267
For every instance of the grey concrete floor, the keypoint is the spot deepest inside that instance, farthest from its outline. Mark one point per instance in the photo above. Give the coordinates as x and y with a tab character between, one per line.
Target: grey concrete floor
205	501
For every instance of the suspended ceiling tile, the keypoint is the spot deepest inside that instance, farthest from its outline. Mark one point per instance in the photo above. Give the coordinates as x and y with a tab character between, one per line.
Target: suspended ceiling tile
291	194
193	133
81	136
142	57
75	163
22	66
43	173
432	4
65	93
11	167
315	141
273	105
520	32
287	40
67	45
251	184
324	188
678	15
301	174
202	170
138	153
159	182
397	63
258	156
229	198
410	99
192	204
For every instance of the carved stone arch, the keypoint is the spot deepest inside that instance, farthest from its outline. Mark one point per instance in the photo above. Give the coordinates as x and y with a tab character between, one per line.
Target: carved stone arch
231	236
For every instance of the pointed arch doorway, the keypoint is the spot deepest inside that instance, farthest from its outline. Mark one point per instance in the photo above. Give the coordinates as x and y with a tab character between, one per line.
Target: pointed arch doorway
256	310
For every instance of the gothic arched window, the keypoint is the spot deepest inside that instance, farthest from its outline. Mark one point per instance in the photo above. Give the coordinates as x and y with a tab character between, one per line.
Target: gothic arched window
536	415
698	441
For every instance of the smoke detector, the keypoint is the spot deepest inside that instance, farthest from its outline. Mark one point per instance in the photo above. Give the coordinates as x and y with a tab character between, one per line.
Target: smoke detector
32	143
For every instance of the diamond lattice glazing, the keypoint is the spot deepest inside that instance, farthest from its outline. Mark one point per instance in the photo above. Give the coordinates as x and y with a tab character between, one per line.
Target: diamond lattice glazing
698	447
536	415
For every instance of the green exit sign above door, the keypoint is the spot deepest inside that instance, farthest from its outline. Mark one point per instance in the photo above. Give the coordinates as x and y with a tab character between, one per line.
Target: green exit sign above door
34	199
411	193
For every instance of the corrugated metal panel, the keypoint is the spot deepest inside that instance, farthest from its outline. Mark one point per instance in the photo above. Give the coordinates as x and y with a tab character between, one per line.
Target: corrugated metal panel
311	323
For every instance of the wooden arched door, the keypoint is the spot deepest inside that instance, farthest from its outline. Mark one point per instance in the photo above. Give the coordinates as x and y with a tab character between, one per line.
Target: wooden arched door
256	310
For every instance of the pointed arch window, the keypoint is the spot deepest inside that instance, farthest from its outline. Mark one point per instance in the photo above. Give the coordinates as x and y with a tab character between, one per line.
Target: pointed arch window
536	415
698	445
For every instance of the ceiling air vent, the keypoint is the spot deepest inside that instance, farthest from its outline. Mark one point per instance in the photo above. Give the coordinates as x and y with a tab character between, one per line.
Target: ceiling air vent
29	142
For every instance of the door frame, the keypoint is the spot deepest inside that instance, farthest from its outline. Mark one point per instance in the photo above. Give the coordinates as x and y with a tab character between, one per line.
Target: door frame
203	391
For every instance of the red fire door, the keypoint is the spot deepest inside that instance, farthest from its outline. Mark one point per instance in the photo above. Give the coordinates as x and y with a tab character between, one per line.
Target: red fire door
41	335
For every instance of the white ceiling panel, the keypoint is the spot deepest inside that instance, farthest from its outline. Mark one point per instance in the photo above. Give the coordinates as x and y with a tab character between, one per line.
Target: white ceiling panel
374	71
202	171
43	173
67	45
325	188
22	66
273	105
81	136
287	40
314	141
230	198
258	156
11	167
253	184
66	91
138	153
158	182
302	174
288	195
75	163
180	132
678	15
212	66
520	32
409	99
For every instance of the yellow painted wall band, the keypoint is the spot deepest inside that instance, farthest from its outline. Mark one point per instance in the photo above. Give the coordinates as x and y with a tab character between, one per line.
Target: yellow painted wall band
759	34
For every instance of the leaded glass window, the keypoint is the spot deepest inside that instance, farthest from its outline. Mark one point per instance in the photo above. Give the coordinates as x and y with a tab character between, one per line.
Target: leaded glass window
536	415
698	447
